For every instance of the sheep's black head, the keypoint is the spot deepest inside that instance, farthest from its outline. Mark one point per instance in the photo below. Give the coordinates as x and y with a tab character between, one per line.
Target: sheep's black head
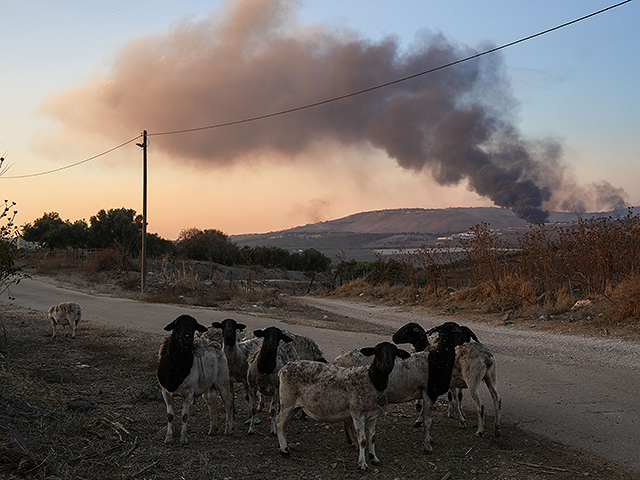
229	329
452	333
412	333
268	351
384	354
182	330
272	337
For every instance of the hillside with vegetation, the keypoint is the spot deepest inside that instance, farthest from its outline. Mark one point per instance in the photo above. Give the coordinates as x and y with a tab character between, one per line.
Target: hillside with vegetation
358	236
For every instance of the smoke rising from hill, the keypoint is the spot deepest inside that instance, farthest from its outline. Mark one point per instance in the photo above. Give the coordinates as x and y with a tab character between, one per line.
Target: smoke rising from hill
456	125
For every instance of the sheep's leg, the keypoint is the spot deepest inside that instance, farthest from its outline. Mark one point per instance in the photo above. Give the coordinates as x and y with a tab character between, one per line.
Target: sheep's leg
282	422
253	402
73	330
350	433
455	405
53	324
233	396
246	390
420	420
188	399
475	396
359	425
497	404
273	411
210	398
427	411
371	440
226	394
168	400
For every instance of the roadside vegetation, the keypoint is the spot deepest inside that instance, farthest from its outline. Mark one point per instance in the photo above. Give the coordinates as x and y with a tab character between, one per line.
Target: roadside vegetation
543	271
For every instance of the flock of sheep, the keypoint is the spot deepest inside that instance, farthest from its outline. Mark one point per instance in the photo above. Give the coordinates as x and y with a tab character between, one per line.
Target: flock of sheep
291	370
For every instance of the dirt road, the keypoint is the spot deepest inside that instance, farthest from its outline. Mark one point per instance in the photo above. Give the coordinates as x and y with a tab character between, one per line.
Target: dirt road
582	392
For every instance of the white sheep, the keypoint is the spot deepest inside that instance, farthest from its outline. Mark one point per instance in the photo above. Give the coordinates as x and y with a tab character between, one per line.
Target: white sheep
265	362
329	393
63	314
190	367
237	352
474	363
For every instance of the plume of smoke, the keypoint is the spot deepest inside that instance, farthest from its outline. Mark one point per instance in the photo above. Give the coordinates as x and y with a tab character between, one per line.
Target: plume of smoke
252	59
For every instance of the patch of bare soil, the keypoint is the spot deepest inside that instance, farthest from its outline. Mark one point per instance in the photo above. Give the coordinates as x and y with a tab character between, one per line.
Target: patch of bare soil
90	408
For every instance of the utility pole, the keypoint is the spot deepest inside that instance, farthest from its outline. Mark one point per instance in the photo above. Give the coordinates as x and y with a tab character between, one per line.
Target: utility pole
143	261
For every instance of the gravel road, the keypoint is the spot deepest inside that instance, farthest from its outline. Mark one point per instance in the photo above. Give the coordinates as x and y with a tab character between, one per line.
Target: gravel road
582	392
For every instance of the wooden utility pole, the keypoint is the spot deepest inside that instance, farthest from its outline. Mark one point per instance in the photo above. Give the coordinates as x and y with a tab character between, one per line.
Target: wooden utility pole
143	273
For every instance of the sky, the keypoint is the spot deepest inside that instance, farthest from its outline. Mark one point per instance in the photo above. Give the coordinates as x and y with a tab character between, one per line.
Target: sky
547	124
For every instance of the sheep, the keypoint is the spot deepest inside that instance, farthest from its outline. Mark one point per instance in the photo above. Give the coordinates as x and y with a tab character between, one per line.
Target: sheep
329	393
474	362
265	362
66	313
237	352
424	375
190	368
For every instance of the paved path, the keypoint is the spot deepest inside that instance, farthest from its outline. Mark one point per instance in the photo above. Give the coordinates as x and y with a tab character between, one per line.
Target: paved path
578	391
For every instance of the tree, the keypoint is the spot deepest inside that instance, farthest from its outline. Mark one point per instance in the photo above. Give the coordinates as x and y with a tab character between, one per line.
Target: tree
51	231
8	250
119	227
314	261
156	245
207	245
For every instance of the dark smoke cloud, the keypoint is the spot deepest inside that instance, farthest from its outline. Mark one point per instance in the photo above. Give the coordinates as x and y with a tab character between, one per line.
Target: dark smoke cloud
455	124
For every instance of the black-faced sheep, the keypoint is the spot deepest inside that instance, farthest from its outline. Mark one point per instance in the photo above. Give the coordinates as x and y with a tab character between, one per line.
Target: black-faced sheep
474	363
266	362
237	352
423	376
329	393
190	367
63	314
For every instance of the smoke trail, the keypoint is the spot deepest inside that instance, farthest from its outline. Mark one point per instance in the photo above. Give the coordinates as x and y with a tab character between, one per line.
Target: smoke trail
251	59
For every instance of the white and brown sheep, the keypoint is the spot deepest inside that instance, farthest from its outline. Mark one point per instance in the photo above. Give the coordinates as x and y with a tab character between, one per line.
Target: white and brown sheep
190	367
237	352
329	393
63	314
266	362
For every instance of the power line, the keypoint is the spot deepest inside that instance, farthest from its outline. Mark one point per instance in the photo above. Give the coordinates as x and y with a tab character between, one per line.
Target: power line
334	99
77	163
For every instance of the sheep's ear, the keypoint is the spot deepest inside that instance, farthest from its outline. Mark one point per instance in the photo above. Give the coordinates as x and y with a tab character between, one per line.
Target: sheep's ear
368	351
402	354
241	326
171	326
216	324
286	338
258	333
471	334
201	328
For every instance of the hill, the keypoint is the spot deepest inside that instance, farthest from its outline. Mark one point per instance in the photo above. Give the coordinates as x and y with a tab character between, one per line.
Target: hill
360	234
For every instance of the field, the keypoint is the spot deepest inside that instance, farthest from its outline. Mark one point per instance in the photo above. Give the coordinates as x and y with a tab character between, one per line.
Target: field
90	408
